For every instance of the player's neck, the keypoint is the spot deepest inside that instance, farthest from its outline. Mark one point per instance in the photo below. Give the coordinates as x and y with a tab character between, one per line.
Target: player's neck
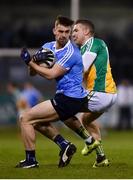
86	39
60	46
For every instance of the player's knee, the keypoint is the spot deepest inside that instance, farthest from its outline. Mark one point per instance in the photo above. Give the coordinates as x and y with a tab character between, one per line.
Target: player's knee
39	126
24	118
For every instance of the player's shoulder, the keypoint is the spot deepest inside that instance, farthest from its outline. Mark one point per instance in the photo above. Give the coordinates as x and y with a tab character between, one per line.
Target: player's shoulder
76	49
98	42
70	49
74	45
70	44
49	45
76	52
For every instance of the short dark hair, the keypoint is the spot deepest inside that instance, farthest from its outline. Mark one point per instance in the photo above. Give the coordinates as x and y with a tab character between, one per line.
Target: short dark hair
65	21
87	23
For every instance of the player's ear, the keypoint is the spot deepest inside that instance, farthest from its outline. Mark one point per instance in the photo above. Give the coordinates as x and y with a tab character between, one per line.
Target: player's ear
86	31
54	31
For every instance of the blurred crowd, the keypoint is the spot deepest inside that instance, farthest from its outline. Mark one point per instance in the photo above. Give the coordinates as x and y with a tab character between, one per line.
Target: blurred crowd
120	116
121	52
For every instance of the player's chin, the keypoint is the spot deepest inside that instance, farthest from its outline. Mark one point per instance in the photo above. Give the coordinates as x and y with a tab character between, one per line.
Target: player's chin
75	40
63	42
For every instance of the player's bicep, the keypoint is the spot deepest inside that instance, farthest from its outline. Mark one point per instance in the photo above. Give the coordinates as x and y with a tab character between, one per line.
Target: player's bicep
58	70
88	59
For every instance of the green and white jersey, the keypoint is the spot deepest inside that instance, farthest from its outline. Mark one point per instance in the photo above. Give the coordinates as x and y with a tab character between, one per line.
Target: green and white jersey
98	76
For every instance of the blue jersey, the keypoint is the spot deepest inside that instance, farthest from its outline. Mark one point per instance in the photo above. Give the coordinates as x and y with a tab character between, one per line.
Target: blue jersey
32	96
69	57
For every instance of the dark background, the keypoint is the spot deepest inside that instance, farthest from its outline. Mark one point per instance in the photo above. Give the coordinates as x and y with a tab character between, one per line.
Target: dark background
30	22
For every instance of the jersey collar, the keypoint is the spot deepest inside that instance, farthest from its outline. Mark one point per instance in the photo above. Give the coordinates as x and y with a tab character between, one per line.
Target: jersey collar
87	41
56	50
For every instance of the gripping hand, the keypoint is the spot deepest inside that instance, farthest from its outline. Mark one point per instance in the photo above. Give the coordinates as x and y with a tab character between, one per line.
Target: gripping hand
43	55
25	56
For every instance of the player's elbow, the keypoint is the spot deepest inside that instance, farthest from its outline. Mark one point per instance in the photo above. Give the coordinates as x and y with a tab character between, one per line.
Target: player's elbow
51	76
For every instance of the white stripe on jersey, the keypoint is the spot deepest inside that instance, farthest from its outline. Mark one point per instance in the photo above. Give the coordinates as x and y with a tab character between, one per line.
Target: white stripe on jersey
67	55
89	44
107	53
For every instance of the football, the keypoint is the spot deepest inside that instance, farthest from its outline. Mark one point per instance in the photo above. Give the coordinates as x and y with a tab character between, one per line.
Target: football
43	61
48	63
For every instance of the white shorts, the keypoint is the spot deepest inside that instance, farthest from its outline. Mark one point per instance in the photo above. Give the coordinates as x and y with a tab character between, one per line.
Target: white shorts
100	101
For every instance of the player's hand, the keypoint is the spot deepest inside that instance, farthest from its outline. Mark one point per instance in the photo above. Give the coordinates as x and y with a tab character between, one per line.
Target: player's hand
25	56
42	55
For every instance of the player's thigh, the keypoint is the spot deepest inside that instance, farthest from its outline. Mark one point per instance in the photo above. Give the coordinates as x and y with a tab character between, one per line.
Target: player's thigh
100	102
88	117
43	112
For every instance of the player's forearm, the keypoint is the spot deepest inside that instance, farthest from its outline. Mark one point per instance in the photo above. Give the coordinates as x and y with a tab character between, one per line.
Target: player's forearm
42	71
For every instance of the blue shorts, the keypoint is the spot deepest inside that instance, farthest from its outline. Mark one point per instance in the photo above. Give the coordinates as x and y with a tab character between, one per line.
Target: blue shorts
67	107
